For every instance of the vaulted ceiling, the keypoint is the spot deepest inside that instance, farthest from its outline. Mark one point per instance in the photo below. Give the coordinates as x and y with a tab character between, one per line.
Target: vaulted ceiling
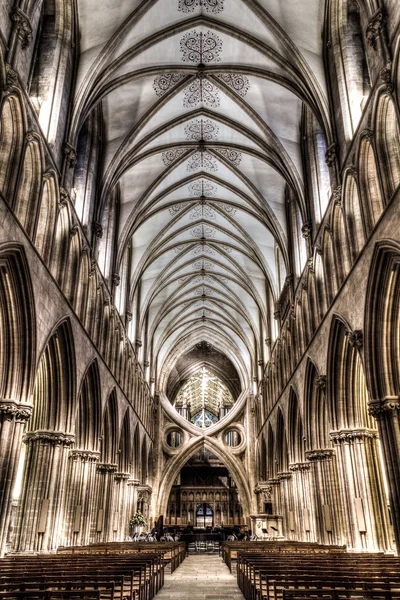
202	103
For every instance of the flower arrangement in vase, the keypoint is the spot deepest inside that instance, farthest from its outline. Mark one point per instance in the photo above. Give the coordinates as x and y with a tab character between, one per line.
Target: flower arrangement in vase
137	522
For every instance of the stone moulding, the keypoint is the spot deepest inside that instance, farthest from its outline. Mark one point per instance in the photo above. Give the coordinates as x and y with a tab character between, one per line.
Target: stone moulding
379	408
107	468
301	466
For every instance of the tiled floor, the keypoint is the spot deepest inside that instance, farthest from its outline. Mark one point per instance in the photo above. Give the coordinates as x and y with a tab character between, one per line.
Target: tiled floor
201	577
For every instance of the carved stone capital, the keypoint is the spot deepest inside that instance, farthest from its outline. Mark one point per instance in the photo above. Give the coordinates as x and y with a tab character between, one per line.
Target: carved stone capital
355	338
116	279
120	476
23	26
129	316
374	28
133	482
320	455
53	438
299	467
387	406
284	475
73	230
10	411
349	436
107	468
84	455
320	382
330	155
70	155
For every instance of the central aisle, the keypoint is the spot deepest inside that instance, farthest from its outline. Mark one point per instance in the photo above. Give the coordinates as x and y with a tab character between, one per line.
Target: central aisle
201	577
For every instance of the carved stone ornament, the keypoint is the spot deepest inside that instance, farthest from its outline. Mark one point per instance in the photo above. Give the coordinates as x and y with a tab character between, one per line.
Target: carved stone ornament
349	436
330	156
374	28
301	466
107	468
320	455
84	456
320	382
64	198
53	438
97	230
129	316
133	482
10	410
12	78
380	408
284	475
70	155
120	476
116	279
386	73
306	230
73	230
355	338
337	195
23	26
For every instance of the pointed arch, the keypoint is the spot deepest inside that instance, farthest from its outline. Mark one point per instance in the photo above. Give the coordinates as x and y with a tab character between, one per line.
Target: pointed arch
12	130
46	217
354	216
54	393
88	417
369	184
109	437
316	418
295	430
347	390
17	326
281	448
29	186
125	445
388	144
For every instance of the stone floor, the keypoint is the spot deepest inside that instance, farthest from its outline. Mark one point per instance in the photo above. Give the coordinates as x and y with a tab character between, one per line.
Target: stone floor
201	577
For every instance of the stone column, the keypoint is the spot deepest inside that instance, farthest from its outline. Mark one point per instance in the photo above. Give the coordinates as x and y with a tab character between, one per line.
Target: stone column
121	506
286	508
79	496
303	501
327	503
366	519
40	519
104	502
387	415
13	417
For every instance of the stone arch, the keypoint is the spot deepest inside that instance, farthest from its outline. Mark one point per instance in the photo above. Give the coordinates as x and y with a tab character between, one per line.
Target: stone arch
54	393
29	185
388	144
12	130
316	417
331	281
341	246
295	430
281	446
125	445
382	322
347	391
136	452
354	216
61	244
271	462
46	219
348	20
178	461
369	184
109	435
17	326
88	416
